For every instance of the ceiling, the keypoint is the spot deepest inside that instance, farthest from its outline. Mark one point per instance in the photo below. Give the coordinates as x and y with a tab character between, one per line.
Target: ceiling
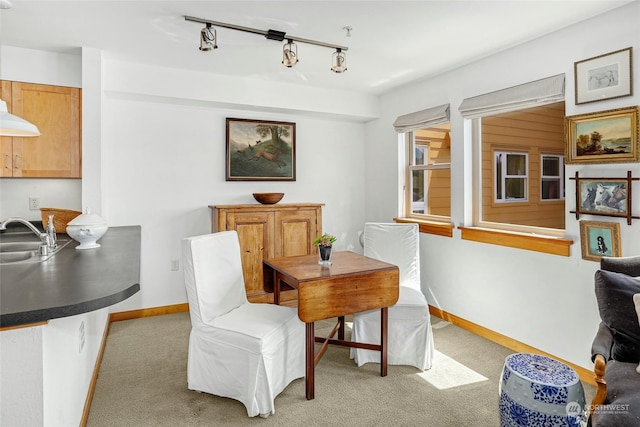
391	44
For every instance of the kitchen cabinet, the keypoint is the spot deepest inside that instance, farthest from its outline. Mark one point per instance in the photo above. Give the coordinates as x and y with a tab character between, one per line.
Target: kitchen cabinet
56	110
269	231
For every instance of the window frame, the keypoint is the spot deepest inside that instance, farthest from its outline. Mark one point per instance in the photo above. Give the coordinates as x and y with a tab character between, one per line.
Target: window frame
477	221
503	178
411	143
561	177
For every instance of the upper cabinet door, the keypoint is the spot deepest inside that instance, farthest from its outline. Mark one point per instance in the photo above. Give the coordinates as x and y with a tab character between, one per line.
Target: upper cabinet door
56	110
6	142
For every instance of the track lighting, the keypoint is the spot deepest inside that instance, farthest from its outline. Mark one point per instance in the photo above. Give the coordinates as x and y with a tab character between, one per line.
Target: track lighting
290	54
209	40
339	61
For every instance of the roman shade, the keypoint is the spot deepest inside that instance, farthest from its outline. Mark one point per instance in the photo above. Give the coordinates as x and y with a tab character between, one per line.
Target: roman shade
422	119
539	92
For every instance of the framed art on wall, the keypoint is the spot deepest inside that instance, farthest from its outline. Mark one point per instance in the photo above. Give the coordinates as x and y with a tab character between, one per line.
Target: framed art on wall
259	150
599	239
604	196
603	137
604	77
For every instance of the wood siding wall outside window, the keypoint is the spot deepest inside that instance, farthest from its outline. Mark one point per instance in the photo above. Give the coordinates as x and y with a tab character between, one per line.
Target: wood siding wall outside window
438	141
533	131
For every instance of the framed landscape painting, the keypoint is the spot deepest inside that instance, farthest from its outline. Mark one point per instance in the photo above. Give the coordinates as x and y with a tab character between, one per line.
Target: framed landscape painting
259	150
603	137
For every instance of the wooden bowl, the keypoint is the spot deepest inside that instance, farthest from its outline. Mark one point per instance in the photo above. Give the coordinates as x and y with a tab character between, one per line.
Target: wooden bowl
268	198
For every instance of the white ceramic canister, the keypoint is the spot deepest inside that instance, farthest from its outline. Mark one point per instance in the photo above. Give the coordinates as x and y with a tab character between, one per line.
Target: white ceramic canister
87	229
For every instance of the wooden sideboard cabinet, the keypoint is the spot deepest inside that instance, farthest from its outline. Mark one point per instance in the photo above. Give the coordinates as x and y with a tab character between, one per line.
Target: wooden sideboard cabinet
269	231
56	110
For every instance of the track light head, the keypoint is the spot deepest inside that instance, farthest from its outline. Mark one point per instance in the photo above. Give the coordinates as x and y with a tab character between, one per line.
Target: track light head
289	54
339	61
208	38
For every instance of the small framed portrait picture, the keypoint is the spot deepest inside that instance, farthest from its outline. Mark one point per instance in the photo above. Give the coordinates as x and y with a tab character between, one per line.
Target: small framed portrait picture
599	239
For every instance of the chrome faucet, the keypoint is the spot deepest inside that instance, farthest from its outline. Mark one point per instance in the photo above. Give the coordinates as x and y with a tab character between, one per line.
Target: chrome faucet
48	240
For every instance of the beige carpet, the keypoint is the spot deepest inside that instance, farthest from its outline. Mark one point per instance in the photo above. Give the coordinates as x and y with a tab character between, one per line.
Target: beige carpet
142	382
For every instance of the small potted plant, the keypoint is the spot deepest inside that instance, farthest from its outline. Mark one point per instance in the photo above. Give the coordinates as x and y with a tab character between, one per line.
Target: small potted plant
325	243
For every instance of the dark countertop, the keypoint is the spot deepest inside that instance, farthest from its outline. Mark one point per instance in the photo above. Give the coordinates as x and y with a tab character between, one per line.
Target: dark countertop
72	281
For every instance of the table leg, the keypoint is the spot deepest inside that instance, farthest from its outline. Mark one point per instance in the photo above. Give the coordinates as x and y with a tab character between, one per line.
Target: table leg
309	360
341	328
384	318
276	288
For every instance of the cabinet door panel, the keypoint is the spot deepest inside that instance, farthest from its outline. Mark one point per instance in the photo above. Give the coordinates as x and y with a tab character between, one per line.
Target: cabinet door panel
6	152
254	229
295	232
6	142
56	112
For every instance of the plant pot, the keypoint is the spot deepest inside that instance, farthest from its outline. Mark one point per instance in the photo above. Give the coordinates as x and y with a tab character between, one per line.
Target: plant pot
324	253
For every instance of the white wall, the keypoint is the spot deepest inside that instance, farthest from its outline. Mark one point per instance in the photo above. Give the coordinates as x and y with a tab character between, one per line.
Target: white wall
53	193
542	300
38	66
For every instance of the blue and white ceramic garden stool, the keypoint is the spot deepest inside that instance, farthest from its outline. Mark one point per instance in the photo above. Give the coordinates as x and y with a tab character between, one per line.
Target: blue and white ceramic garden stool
538	391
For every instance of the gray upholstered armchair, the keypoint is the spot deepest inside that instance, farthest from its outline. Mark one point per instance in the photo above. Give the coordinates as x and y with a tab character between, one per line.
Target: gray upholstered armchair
616	346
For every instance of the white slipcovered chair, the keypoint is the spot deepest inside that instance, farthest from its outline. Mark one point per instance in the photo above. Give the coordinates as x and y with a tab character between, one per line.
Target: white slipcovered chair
244	351
410	338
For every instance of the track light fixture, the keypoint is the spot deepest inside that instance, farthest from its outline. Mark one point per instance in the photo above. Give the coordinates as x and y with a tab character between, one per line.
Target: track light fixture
290	54
209	41
339	61
208	38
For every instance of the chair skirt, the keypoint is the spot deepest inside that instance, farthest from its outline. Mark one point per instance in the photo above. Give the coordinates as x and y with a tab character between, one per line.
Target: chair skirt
249	354
410	338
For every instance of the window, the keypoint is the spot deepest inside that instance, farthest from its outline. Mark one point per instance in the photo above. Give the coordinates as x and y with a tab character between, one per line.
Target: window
426	154
526	178
429	177
517	138
511	177
552	179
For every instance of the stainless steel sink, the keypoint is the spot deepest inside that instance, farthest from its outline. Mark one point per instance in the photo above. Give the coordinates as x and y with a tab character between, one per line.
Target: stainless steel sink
17	256
19	246
23	251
